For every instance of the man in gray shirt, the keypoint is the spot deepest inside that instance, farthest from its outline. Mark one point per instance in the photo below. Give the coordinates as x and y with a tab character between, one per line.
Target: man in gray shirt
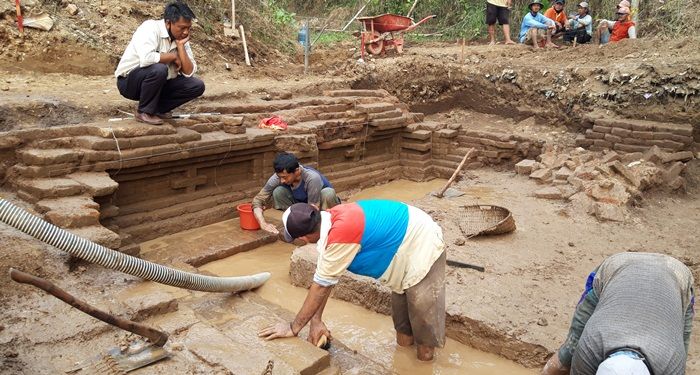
293	183
634	317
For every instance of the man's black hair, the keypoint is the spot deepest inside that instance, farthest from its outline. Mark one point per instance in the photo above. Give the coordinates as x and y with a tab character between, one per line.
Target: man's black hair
285	162
176	10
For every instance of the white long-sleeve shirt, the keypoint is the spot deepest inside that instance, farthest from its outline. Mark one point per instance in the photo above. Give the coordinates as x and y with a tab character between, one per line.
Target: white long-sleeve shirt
148	42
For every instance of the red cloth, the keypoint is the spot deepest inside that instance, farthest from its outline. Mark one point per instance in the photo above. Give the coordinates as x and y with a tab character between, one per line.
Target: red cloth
275	123
620	31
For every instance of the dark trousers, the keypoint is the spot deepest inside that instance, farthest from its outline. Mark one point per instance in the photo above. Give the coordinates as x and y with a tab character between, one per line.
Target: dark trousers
580	34
156	93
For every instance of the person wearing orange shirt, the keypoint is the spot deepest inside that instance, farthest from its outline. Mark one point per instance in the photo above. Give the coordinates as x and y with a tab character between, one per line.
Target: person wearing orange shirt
615	31
556	13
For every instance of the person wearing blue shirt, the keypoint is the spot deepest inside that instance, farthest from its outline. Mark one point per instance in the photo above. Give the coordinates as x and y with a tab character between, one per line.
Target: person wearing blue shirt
536	27
580	27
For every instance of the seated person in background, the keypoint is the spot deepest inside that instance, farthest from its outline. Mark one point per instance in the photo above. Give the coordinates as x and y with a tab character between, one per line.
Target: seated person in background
556	13
635	317
580	27
157	67
536	27
614	31
293	183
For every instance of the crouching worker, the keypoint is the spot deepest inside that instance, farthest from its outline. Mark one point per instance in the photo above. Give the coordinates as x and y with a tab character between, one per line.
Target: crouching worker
393	242
536	27
157	67
634	317
293	183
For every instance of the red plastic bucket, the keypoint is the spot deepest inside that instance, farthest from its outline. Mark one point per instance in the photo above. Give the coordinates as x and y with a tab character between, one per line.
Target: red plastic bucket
248	220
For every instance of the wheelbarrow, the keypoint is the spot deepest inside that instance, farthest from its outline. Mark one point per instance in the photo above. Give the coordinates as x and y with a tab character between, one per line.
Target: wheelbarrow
384	32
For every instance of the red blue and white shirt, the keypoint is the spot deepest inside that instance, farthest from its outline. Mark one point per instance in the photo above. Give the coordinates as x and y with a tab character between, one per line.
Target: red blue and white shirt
387	240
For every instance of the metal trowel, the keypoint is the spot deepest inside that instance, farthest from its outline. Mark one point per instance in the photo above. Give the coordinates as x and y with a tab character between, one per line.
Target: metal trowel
117	362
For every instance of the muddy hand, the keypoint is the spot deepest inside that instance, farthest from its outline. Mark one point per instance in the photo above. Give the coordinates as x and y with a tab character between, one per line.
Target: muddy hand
276	331
316	331
270	228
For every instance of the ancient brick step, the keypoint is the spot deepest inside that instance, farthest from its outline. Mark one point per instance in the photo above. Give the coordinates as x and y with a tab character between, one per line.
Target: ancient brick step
350	93
70	212
376	107
43	188
199	246
96	184
340	171
426	125
151	230
131	129
418	134
367	179
390	123
384	115
130	217
35	156
417	146
646	126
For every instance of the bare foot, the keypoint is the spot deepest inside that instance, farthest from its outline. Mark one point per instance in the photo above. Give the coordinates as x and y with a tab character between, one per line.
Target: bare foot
493	43
425	353
403	339
510	42
551	45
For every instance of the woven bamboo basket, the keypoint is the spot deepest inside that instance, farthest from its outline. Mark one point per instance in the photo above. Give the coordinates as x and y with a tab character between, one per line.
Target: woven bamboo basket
480	220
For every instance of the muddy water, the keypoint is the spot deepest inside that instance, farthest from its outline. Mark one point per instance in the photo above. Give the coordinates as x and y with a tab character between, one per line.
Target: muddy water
368	333
400	190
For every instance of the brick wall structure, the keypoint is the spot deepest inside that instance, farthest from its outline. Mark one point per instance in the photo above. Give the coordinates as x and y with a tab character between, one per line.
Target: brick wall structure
122	183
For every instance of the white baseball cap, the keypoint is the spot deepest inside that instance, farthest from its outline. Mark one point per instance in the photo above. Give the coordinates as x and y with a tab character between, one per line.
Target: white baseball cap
621	364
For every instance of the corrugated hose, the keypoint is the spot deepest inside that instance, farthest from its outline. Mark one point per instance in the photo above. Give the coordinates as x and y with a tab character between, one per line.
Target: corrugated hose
38	228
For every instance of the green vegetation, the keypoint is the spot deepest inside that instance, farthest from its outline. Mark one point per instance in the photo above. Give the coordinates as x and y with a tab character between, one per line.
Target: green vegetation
331	37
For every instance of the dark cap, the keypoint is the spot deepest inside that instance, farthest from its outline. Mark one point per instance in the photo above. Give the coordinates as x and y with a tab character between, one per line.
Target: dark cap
299	220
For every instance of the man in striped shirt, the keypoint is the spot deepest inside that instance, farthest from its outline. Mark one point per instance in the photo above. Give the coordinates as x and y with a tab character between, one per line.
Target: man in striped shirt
398	244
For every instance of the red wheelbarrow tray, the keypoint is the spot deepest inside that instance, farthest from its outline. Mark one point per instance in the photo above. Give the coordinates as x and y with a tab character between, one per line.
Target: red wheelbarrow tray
390	22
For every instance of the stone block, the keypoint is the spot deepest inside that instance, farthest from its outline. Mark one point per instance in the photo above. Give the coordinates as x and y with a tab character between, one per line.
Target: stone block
676	146
549	192
590	134
526	166
97	184
654	155
563	174
610	157
70	212
42	188
643	135
677	156
9	142
603	144
541	175
613	138
609	212
625	172
609	191
620	132
49	157
446	133
418	134
375	107
582	141
582	202
509	145
677	183
673	171
602	129
567	190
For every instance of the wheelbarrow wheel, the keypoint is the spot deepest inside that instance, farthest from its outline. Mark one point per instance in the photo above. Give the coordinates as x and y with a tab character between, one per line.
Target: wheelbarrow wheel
377	47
